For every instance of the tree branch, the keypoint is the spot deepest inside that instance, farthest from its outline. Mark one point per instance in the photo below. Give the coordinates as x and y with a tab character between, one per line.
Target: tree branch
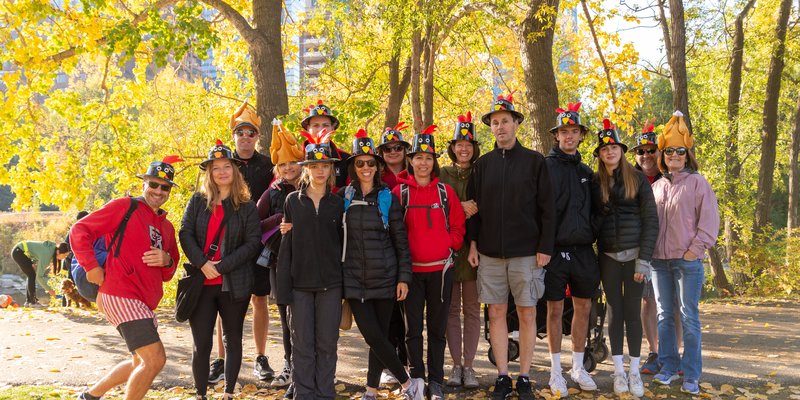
236	19
606	69
138	19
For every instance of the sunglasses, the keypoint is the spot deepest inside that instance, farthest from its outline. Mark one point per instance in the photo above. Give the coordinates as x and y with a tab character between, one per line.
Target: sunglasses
246	132
362	163
155	185
681	151
642	151
393	149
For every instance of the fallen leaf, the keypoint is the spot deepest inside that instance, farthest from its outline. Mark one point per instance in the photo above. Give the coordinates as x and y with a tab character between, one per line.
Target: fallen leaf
55	370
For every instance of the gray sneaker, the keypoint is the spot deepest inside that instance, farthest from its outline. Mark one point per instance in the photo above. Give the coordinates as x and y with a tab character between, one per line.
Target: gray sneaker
470	380
415	391
456	376
435	391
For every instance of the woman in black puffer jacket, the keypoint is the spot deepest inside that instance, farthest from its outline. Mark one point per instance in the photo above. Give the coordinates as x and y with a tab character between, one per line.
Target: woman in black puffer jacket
377	262
628	224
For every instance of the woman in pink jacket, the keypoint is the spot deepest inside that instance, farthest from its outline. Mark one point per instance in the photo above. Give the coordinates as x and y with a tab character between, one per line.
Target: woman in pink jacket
688	226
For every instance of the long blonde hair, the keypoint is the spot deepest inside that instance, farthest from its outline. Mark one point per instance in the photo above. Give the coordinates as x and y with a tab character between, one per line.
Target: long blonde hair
629	179
240	192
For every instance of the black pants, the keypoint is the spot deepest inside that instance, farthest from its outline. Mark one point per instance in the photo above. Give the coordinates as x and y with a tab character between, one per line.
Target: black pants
314	317
283	310
26	265
397	333
214	301
429	298
373	318
624	298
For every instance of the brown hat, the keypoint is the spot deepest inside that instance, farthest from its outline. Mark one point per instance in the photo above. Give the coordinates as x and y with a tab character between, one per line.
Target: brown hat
676	133
284	148
245	115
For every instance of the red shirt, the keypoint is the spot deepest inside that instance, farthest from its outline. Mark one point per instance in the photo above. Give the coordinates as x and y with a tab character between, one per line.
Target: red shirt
213	225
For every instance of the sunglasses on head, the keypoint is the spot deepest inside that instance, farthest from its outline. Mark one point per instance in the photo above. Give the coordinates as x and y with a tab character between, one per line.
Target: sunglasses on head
362	163
393	149
246	132
648	151
681	151
155	185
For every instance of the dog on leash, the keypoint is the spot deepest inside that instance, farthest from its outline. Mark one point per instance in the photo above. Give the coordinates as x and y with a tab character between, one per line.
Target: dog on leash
69	290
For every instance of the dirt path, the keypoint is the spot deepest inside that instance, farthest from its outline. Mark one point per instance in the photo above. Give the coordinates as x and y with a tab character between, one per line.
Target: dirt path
750	345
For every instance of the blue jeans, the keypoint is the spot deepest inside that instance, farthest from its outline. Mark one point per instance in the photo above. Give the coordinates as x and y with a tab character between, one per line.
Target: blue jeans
684	280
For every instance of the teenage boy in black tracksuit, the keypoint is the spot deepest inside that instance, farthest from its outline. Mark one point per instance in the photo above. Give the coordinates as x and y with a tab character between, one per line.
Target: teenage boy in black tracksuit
574	261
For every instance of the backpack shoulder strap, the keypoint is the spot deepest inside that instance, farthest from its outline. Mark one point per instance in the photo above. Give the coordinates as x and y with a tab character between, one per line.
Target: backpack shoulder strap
349	193
445	205
116	240
384	205
404	199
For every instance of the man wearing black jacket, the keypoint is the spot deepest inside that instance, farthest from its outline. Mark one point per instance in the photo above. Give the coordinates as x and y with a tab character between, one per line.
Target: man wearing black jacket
511	237
574	261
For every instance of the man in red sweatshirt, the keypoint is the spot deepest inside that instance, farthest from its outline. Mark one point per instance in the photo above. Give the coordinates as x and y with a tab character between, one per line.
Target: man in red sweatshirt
132	278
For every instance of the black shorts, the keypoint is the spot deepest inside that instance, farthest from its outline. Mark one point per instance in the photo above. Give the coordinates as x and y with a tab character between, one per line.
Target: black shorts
138	333
261	286
576	266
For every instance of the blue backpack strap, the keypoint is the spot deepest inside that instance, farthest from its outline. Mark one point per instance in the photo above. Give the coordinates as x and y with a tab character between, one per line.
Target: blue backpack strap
384	204
445	205
349	193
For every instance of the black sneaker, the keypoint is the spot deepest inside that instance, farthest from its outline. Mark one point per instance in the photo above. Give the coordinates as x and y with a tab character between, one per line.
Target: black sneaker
87	396
435	391
289	392
502	388
524	388
262	370
217	372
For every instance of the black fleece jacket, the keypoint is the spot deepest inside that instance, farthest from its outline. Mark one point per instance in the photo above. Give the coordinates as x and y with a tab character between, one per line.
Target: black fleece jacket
376	258
572	186
240	245
516	207
310	255
627	223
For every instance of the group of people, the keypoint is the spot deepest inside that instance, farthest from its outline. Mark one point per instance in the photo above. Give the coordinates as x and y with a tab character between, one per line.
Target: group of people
410	245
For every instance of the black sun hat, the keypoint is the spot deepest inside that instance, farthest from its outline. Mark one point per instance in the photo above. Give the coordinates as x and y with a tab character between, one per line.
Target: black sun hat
503	104
319	110
162	169
220	152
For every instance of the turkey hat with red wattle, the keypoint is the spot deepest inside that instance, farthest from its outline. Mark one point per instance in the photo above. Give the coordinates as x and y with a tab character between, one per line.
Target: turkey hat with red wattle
318	149
569	117
647	136
162	169
363	146
219	152
503	104
319	110
608	136
393	135
424	143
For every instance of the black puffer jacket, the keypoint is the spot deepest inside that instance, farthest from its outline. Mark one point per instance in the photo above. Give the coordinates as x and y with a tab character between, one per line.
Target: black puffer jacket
572	186
626	223
240	245
376	258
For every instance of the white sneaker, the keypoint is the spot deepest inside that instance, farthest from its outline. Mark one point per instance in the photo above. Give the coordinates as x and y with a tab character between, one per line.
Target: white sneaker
416	391
387	378
635	385
620	383
582	378
558	386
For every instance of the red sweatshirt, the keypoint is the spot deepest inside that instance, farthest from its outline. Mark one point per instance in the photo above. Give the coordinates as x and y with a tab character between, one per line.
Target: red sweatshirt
127	276
429	240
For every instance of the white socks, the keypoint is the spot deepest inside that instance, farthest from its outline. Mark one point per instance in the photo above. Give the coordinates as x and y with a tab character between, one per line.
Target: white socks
577	360
619	367
555	363
634	366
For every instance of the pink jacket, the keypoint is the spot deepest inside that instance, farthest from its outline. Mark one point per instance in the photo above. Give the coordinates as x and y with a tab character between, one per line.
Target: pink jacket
688	217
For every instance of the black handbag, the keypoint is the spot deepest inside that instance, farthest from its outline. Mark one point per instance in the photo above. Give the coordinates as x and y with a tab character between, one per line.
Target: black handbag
190	286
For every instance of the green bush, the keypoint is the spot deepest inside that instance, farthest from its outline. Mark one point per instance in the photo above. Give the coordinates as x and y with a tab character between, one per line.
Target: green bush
769	265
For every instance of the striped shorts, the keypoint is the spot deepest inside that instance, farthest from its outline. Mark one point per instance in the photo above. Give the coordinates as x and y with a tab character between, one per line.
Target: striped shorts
119	310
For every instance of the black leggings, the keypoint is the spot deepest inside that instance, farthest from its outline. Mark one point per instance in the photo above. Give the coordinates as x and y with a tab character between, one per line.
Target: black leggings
283	310
214	301
373	318
624	298
397	333
427	305
26	265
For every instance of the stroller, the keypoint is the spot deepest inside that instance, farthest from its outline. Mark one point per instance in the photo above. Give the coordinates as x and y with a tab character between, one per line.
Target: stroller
596	347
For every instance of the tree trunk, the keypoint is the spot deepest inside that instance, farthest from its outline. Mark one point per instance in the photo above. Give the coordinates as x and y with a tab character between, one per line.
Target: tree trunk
721	283
266	60
427	84
536	47
416	56
769	134
732	163
677	60
398	86
793	220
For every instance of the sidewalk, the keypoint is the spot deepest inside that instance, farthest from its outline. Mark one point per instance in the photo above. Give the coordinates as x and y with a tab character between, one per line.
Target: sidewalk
745	344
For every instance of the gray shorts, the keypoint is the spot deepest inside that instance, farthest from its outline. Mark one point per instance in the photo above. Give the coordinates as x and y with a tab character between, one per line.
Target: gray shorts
138	333
518	275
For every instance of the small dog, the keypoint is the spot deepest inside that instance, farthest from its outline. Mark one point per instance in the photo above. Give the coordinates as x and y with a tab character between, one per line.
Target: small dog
69	290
